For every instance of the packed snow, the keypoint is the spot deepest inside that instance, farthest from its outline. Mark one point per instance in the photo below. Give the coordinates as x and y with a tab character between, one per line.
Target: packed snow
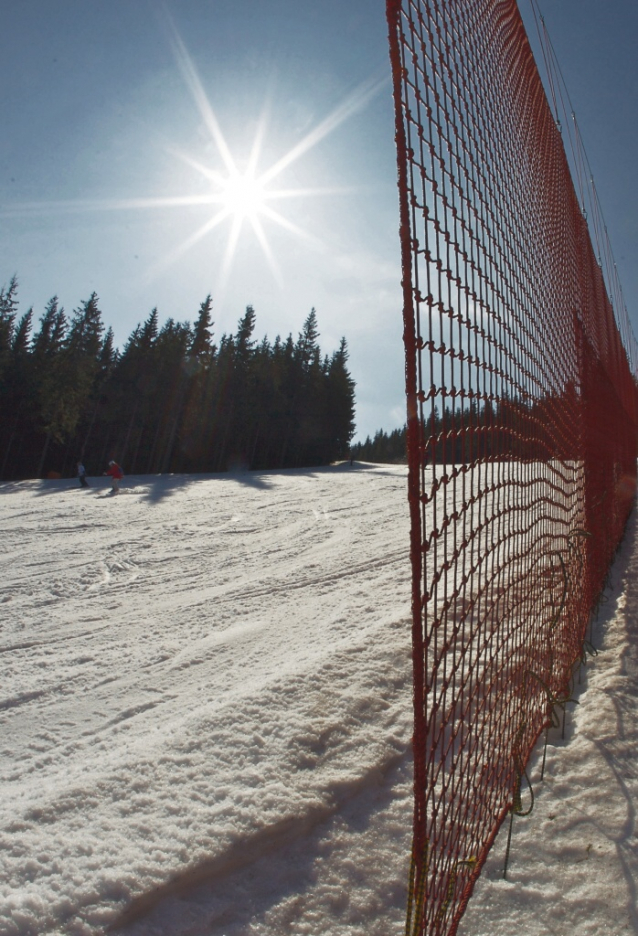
206	719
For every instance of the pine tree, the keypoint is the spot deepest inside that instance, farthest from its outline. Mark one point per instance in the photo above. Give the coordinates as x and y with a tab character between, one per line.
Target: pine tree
289	390
108	355
8	308
171	346
147	333
80	365
264	394
50	374
84	339
21	338
198	410
310	401
340	403
307	350
16	397
132	398
52	325
244	342
107	359
200	347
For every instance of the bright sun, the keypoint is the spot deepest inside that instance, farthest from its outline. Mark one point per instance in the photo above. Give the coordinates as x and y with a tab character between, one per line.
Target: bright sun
248	196
237	196
243	196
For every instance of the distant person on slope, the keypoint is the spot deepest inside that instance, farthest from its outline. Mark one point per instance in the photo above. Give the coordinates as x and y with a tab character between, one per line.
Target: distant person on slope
116	474
82	475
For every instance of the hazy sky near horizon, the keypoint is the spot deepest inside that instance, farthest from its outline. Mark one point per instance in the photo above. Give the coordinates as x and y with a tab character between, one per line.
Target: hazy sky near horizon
103	110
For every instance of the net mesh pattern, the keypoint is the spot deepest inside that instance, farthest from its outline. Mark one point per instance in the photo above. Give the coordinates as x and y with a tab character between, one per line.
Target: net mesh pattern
521	425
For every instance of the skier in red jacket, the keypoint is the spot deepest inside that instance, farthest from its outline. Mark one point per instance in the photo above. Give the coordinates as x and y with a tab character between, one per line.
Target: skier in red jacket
116	474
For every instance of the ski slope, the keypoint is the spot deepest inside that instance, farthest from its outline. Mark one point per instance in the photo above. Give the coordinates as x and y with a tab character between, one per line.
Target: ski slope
206	682
206	717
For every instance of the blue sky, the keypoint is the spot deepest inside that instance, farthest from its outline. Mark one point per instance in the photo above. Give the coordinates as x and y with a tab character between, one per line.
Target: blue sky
97	112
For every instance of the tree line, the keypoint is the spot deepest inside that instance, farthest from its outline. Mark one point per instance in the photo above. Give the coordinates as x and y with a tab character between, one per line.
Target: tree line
172	400
500	429
387	448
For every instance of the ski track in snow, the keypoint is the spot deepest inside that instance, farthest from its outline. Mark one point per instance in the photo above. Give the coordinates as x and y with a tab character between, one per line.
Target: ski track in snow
206	715
206	692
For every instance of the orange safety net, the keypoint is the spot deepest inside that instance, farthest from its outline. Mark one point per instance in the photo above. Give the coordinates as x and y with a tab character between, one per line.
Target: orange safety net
521	426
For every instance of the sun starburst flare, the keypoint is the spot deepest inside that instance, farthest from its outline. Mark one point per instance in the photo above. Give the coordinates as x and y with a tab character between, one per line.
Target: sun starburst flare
247	196
237	197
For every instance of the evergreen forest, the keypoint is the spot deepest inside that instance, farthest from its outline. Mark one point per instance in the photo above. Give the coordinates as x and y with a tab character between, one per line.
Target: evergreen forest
494	428
385	447
172	400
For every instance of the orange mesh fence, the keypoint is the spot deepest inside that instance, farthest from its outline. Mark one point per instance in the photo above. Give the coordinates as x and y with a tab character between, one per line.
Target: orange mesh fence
521	426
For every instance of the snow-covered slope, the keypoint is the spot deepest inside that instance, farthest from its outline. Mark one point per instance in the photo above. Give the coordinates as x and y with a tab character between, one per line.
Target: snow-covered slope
206	711
206	694
574	861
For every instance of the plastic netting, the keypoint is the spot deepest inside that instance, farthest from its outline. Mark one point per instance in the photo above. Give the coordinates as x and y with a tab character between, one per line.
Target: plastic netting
521	426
